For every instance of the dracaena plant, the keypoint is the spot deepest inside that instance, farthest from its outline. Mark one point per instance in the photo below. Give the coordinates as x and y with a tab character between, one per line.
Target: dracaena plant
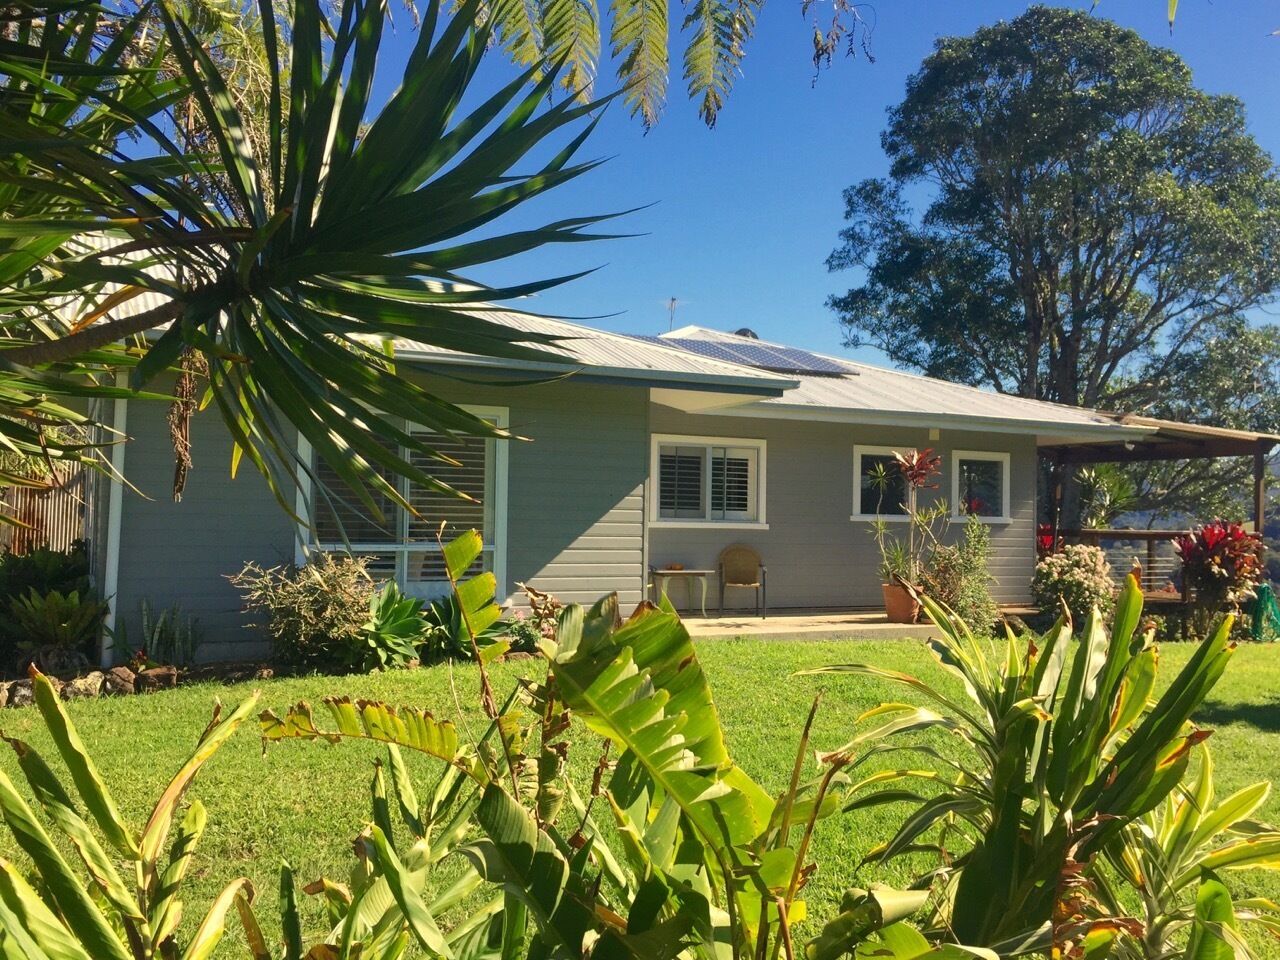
285	273
1063	746
1175	858
84	907
711	864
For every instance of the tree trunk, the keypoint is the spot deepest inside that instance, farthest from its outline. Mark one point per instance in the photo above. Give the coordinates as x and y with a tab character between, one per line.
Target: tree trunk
94	337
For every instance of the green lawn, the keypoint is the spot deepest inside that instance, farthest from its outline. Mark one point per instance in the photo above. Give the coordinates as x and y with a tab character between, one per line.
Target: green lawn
303	802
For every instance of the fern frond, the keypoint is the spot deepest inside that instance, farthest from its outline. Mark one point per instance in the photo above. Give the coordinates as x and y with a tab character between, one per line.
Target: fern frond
639	44
571	29
517	25
711	60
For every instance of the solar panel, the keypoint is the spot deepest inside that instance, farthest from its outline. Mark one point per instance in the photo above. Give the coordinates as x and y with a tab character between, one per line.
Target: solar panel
762	356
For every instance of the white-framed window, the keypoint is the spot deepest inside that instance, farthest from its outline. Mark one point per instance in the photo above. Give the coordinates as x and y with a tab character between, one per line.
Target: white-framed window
402	545
707	481
879	489
980	485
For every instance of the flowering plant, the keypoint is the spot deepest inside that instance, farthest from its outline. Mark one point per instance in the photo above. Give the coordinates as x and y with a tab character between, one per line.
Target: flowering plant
1221	562
1077	575
1046	542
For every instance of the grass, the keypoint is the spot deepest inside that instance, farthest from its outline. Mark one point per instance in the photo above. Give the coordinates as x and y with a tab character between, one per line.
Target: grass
304	802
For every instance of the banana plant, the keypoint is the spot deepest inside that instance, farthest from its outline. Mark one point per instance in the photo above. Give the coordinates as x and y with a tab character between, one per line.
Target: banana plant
1191	840
95	913
711	865
1062	747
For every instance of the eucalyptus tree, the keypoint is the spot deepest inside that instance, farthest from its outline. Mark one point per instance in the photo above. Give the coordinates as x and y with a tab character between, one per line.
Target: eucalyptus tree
1066	217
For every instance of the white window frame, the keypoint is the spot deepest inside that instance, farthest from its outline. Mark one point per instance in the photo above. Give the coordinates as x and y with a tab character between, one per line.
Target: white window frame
305	540
659	440
1001	458
859	514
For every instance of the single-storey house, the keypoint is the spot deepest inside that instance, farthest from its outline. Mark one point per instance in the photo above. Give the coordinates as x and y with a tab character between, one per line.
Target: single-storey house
655	451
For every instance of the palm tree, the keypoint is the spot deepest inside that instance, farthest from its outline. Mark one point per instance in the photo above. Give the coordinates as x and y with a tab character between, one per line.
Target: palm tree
284	270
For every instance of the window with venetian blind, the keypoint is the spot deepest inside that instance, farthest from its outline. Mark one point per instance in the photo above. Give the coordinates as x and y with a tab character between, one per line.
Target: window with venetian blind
700	480
402	545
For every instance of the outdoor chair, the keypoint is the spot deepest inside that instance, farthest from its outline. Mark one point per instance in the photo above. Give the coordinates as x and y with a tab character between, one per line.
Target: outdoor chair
740	566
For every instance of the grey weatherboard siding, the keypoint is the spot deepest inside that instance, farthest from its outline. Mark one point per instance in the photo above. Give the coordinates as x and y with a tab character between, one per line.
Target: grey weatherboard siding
576	502
815	554
575	498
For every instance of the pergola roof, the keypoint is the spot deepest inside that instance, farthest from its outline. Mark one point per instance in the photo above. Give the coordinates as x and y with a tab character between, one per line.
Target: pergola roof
1166	440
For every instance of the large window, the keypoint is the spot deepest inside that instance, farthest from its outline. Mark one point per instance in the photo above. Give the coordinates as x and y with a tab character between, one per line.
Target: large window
401	545
708	480
879	490
980	485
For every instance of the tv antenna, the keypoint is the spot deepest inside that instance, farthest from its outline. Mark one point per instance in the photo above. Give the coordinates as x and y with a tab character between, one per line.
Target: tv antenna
671	314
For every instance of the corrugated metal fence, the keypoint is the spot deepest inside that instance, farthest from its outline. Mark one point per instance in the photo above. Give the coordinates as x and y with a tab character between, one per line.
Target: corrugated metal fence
53	517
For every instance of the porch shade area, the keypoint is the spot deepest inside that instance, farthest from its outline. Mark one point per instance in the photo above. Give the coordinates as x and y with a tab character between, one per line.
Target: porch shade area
1167	440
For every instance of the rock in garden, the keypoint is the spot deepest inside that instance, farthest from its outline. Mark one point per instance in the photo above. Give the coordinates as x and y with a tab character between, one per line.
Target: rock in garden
157	678
90	685
118	680
21	693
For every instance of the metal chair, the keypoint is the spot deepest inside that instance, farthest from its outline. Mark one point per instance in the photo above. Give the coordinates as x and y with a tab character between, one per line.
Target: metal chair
740	566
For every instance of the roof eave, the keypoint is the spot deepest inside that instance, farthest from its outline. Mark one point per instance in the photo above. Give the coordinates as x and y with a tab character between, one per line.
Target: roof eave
1047	429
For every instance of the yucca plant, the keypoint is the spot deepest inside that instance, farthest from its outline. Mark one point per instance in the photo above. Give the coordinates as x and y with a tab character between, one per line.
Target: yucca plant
1063	747
1176	855
289	276
101	912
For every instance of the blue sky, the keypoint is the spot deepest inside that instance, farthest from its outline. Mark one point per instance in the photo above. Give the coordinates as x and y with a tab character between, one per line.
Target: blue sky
744	215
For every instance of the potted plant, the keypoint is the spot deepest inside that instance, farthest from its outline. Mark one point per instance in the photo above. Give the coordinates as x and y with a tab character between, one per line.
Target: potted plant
903	559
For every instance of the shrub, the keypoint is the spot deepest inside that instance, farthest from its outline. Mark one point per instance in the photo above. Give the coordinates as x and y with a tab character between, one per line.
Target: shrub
958	577
1077	575
523	633
42	571
315	614
59	631
1221	562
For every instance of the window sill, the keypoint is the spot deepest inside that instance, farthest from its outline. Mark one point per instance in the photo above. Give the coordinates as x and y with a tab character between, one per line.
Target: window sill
709	524
963	517
872	518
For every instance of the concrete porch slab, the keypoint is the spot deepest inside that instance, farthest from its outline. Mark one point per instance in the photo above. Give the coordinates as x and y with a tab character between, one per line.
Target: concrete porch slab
805	624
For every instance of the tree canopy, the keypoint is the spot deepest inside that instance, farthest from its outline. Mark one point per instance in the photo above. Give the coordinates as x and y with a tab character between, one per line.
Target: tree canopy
1090	219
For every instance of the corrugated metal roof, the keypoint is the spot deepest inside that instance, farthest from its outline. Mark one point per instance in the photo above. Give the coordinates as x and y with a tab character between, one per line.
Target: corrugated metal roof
609	354
873	392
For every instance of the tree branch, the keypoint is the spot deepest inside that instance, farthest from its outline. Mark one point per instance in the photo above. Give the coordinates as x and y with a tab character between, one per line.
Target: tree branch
91	338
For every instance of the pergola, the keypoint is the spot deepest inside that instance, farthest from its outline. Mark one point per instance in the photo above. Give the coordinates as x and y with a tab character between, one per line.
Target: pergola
1168	440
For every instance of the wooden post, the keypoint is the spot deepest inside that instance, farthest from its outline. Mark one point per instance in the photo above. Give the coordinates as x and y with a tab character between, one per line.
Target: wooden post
1055	508
1259	489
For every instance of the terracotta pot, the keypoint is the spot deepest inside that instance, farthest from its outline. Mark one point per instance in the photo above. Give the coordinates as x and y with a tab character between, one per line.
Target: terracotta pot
899	605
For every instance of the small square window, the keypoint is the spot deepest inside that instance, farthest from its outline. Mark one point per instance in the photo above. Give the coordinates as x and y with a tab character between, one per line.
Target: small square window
880	490
980	485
